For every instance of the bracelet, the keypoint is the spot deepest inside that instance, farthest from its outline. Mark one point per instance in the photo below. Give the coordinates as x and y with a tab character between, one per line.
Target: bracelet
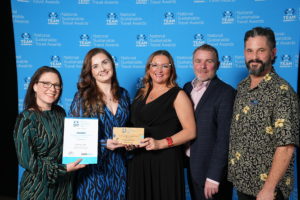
170	141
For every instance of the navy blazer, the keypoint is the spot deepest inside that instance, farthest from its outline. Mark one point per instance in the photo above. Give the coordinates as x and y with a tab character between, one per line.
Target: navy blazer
209	151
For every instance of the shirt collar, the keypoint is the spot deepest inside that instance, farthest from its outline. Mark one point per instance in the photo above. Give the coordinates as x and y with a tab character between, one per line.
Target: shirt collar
267	79
198	85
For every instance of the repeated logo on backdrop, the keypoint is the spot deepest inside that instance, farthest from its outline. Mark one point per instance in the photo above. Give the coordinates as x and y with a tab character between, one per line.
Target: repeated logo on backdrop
26	39
132	32
228	17
53	18
289	15
62	32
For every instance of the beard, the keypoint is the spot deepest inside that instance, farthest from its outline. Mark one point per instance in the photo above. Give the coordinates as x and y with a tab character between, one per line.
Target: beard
258	70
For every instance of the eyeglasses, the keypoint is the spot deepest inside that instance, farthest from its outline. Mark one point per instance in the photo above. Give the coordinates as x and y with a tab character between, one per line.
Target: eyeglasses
164	66
48	85
105	64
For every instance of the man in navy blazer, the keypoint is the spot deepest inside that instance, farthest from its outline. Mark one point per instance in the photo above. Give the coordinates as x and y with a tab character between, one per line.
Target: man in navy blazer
213	102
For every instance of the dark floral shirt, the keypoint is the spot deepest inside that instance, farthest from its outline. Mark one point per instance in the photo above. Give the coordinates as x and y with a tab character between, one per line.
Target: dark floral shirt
264	118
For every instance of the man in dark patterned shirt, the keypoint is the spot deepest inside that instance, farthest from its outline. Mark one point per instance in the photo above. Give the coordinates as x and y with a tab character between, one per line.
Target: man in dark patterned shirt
265	125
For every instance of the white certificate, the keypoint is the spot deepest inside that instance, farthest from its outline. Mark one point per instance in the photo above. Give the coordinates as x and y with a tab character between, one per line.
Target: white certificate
80	140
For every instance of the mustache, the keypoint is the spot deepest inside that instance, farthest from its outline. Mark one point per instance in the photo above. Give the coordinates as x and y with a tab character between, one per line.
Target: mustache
256	61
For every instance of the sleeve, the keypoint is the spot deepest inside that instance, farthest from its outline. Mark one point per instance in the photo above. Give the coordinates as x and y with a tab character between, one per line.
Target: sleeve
286	117
26	143
219	158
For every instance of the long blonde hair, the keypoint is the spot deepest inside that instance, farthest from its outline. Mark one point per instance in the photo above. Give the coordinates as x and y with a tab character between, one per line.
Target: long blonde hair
147	81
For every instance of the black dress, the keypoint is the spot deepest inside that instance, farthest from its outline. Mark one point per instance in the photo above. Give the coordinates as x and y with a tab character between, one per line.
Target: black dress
157	174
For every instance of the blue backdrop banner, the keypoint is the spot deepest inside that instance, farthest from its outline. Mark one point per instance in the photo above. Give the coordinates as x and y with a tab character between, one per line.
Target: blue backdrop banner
59	33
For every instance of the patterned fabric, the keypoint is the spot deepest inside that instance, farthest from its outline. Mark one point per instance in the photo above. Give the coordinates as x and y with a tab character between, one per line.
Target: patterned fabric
107	179
39	139
264	118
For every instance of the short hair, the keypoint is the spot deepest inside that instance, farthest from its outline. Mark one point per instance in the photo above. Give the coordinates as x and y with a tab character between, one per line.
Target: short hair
207	47
262	31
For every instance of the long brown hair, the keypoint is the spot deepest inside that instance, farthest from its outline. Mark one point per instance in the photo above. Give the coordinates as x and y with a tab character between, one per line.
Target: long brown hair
90	94
147	81
30	97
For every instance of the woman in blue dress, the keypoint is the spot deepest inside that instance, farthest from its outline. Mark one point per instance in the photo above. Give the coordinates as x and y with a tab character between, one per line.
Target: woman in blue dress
99	95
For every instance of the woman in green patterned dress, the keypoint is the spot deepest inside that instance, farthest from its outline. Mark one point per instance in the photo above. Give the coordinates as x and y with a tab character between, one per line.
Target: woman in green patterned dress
38	137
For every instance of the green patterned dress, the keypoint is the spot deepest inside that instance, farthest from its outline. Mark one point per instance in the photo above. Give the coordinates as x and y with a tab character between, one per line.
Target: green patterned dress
38	139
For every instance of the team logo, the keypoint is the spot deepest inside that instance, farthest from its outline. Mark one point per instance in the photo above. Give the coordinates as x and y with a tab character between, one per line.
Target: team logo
226	61
141	40
286	61
289	15
141	1
199	1
53	18
198	40
55	61
26	39
227	17
139	83
75	123
115	59
83	1
169	18
85	40
111	19
26	82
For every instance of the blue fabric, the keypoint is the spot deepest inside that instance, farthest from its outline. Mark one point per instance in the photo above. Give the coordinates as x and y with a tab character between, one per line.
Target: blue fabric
107	179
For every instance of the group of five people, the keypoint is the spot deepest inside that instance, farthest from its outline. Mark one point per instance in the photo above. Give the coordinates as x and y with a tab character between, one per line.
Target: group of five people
223	136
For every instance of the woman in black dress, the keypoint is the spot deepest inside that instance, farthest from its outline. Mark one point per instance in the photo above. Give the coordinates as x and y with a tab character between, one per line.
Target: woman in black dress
156	170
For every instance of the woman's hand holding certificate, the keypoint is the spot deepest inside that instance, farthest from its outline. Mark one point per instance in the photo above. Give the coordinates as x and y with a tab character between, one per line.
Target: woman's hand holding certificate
128	136
113	144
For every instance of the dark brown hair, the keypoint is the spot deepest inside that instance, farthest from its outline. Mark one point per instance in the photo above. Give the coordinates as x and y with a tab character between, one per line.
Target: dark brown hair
90	94
30	98
207	47
262	31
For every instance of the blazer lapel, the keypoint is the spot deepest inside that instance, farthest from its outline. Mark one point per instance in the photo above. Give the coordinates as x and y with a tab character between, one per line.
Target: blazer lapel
211	87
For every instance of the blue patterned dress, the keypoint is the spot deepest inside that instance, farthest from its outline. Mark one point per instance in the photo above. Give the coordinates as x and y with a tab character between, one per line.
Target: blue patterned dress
107	179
